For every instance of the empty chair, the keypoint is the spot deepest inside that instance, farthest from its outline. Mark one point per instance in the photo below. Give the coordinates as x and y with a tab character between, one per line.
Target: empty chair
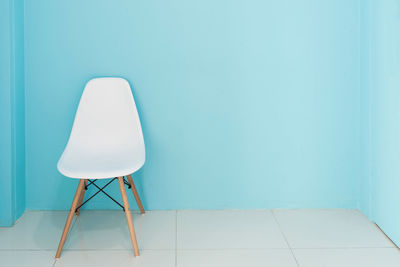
106	141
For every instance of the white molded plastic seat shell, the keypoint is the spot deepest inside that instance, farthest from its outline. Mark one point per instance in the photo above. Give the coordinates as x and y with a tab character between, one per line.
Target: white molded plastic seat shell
106	138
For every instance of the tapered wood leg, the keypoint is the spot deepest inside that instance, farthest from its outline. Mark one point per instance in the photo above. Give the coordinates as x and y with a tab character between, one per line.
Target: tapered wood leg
70	216
135	193
81	198
128	215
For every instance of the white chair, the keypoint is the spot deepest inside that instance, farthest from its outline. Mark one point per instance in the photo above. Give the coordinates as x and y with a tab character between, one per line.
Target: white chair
106	141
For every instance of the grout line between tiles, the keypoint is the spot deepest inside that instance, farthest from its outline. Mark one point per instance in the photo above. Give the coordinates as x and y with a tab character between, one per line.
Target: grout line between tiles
327	248
228	249
116	249
284	236
194	249
83	249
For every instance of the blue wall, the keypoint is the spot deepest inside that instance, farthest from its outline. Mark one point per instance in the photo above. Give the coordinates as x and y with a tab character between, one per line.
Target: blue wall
12	111
244	104
365	122
5	116
18	102
382	64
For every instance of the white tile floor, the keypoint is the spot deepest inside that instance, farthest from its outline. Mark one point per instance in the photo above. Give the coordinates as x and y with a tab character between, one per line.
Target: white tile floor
279	238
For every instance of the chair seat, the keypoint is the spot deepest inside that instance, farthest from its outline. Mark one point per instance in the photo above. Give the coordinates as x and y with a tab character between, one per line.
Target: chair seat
106	139
99	165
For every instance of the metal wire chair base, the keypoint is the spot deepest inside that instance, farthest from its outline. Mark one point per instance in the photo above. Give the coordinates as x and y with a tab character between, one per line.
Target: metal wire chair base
101	189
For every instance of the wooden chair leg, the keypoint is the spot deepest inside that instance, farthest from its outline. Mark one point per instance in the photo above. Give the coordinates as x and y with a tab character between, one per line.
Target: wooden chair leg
81	198
135	193
128	215
70	216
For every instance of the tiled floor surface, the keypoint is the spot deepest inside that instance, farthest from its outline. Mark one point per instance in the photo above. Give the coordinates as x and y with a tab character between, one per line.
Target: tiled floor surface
275	238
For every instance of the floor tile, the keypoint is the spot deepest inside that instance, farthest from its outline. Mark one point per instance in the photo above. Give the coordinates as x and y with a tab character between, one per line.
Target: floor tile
109	230
236	258
364	257
34	230
116	258
329	229
228	229
26	258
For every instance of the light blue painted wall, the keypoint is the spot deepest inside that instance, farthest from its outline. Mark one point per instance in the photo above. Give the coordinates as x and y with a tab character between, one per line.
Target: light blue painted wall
12	112
384	104
244	104
5	117
366	78
18	102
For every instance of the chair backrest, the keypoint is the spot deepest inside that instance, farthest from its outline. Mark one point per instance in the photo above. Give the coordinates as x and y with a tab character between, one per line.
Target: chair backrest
107	118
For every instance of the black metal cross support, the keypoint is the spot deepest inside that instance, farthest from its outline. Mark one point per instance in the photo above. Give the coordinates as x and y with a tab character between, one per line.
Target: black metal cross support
90	182
126	182
101	189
